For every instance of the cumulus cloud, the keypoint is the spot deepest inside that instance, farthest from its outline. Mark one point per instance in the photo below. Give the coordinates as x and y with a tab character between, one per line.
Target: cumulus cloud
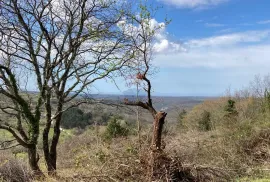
255	56
193	3
230	39
239	50
232	50
163	45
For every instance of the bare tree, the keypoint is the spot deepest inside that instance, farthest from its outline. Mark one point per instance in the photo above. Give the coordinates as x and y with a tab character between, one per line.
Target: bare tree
16	105
142	33
65	46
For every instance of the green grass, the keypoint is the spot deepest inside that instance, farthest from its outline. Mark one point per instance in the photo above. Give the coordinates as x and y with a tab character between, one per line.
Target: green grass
21	155
5	135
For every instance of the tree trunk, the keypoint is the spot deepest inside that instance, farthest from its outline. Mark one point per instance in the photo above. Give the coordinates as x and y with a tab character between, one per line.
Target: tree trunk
53	148
156	146
46	150
33	161
157	130
46	131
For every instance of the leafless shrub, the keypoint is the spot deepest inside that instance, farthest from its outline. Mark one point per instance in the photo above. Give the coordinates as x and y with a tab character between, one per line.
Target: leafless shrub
258	146
15	171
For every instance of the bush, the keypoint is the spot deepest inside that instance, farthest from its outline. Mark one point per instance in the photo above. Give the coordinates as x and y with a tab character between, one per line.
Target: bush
75	117
116	127
230	108
257	146
181	117
267	100
102	118
205	122
14	171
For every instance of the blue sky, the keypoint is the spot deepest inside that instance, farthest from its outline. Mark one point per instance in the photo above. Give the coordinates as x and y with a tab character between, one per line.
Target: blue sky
209	46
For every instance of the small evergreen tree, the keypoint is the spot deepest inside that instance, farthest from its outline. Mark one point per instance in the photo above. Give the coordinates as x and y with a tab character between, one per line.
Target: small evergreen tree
266	100
230	108
205	122
116	127
181	117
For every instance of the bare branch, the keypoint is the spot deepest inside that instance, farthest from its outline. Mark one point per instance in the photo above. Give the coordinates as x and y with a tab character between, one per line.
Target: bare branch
9	147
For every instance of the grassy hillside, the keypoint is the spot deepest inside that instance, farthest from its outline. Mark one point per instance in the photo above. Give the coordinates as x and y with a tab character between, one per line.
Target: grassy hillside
235	146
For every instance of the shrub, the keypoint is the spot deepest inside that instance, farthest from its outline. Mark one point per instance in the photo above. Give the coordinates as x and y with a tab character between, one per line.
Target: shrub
257	146
14	171
75	117
214	106
205	122
266	100
101	116
181	117
116	127
105	117
230	108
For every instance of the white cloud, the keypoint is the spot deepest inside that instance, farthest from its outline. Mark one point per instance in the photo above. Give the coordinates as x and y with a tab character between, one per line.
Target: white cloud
226	51
161	46
264	22
194	3
230	39
164	46
214	25
232	50
251	56
162	43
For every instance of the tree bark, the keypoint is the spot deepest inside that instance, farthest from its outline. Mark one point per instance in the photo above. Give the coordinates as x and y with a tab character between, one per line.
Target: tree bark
156	146
157	130
53	151
46	149
53	148
33	161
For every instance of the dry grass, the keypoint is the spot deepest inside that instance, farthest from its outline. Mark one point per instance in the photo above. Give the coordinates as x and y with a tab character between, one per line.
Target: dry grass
88	158
236	150
239	145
